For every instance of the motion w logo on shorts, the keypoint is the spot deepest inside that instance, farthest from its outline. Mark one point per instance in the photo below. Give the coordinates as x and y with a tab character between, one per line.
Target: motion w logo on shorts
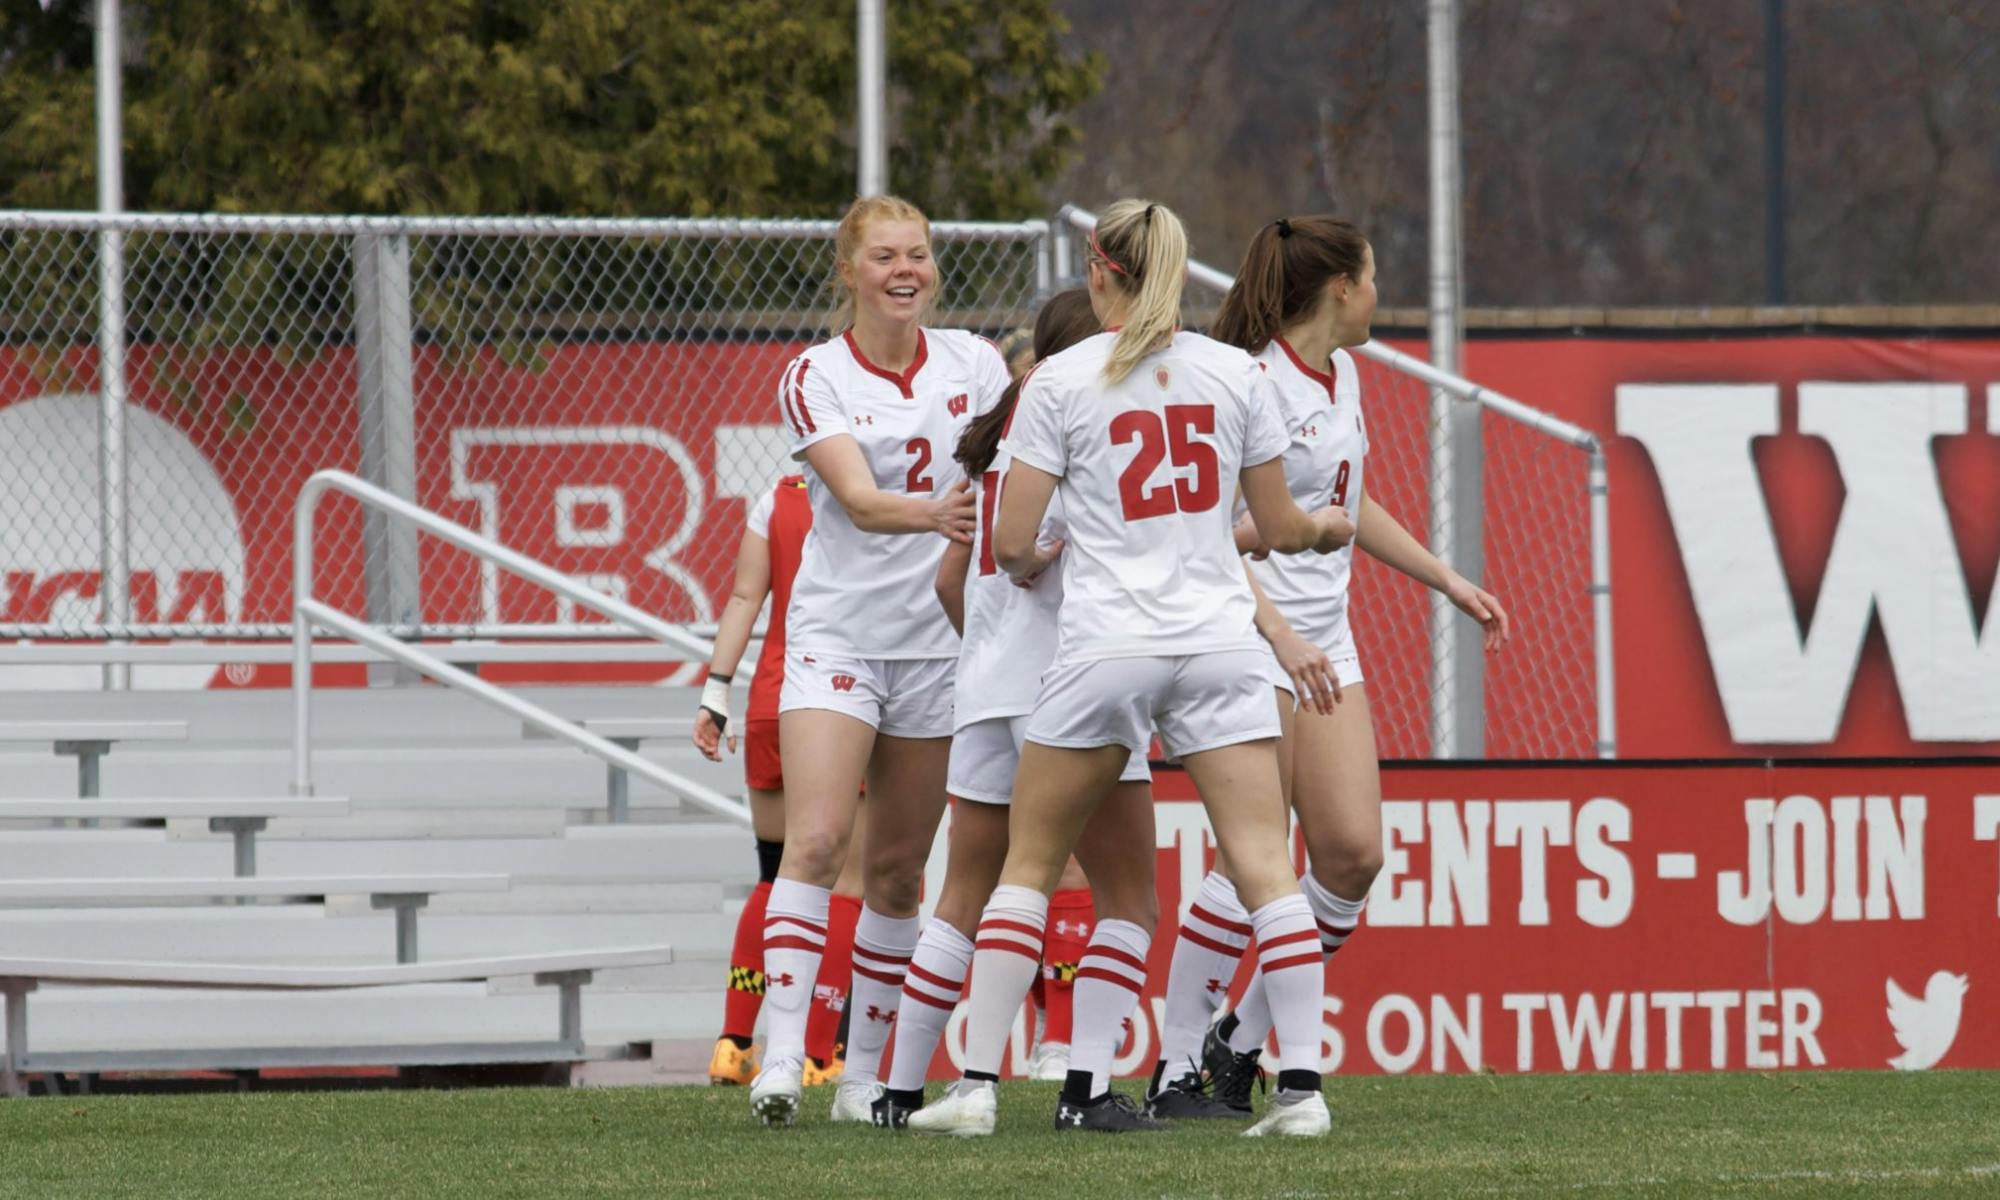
843	683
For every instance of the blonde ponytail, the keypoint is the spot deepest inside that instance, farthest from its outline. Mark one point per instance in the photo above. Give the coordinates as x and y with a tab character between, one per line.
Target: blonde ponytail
1144	248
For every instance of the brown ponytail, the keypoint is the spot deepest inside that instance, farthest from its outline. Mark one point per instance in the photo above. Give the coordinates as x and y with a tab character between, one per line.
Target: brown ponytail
1284	273
1063	322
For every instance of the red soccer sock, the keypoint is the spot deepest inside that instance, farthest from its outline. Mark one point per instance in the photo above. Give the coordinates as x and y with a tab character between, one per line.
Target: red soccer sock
1071	915
746	970
835	974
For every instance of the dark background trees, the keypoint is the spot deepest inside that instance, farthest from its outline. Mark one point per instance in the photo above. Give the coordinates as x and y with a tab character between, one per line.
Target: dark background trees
1613	152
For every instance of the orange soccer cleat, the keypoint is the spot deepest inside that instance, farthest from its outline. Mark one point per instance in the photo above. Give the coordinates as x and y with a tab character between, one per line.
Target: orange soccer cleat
731	1065
816	1075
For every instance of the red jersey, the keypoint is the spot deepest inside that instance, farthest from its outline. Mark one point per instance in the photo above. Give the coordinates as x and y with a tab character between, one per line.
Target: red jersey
782	519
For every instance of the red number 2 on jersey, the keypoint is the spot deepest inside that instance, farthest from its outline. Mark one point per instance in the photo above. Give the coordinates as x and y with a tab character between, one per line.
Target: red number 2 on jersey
918	481
1174	439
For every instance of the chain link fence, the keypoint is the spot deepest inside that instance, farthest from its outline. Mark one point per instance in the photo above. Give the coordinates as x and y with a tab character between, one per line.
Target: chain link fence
595	394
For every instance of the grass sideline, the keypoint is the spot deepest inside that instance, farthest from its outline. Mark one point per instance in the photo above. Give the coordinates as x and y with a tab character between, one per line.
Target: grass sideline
1804	1134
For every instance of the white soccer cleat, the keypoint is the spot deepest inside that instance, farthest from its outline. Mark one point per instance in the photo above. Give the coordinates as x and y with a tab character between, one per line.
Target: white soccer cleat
1049	1063
967	1110
854	1102
775	1093
1294	1114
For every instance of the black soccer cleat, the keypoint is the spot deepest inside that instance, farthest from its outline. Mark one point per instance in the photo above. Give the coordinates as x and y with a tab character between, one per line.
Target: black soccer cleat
892	1109
1187	1099
1113	1112
1230	1075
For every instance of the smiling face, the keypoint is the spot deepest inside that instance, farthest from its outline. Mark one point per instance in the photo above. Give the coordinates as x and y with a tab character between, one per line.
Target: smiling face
891	274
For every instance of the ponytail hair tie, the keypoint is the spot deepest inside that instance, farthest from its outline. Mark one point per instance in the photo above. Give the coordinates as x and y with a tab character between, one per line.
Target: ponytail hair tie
1284	228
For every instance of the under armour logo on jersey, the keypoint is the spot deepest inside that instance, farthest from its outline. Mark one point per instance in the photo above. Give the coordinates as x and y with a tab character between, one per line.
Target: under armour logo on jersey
1309	431
782	981
808	659
1214	985
957	405
876	1014
864	418
843	683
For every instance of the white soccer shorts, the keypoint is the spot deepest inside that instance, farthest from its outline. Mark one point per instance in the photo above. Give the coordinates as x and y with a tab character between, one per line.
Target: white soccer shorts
901	697
1340	651
986	754
1197	701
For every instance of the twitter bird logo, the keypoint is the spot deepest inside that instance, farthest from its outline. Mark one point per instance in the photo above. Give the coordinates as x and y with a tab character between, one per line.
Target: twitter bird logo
1925	1028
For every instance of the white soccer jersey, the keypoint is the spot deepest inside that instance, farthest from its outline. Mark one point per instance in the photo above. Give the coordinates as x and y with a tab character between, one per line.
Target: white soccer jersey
1147	468
871	595
1010	632
1322	412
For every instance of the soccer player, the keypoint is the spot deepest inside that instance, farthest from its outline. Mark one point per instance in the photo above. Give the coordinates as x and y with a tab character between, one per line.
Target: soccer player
870	657
766	560
1008	639
1142	428
1305	292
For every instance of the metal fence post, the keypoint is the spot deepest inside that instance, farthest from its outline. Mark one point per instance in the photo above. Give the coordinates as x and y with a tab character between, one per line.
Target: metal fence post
387	398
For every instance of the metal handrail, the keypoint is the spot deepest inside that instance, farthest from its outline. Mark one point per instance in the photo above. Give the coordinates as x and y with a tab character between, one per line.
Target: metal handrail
52	221
308	611
1598	487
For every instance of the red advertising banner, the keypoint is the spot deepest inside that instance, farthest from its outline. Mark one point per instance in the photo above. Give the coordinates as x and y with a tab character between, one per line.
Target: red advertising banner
1805	531
1644	917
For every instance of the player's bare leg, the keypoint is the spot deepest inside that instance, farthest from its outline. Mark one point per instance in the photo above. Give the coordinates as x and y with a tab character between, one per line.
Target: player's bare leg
1056	791
825	754
1116	852
1240	788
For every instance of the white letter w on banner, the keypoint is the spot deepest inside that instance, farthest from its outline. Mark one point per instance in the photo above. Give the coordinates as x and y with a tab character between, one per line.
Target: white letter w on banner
1893	555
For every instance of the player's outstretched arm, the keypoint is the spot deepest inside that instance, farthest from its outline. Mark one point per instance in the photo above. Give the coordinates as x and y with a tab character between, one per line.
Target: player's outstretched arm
950	585
1023	503
839	463
1285	527
732	635
1385	540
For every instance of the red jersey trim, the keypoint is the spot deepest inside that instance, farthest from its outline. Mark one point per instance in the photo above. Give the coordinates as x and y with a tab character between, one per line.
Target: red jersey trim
902	381
1323	378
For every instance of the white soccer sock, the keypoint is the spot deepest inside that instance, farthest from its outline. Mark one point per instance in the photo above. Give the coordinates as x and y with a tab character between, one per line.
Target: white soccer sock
1108	981
1006	955
1288	956
938	968
1211	941
794	940
882	949
1336	918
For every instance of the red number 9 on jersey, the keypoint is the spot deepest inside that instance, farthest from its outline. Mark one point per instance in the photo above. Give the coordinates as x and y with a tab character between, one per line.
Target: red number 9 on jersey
1173	438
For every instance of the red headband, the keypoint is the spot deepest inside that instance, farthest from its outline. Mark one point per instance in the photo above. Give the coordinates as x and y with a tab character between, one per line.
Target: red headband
1108	260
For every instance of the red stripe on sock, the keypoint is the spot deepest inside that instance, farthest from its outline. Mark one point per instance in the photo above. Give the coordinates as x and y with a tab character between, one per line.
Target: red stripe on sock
937	981
895	980
887	960
793	943
1108	977
1209	943
1116	955
1298	960
1033	956
1236	927
1032	931
771	918
1334	930
1286	939
910	993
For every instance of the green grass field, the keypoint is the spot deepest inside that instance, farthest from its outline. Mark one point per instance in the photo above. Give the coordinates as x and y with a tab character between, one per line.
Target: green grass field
1784	1135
